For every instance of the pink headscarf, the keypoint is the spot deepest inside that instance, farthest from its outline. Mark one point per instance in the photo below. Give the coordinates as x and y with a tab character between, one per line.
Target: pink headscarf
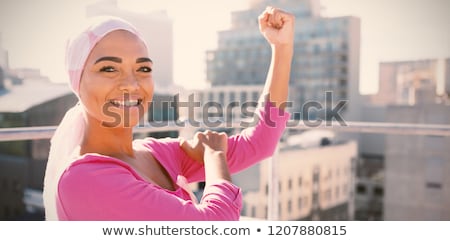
65	142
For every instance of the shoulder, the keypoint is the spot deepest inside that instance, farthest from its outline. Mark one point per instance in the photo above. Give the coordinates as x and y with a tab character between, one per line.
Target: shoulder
94	168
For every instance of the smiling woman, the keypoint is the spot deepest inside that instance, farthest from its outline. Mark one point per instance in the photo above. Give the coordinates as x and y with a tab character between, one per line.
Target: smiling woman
116	85
97	171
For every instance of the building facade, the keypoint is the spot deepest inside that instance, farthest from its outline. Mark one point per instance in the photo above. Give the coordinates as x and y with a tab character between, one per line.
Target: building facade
401	81
326	55
417	186
314	183
33	102
410	167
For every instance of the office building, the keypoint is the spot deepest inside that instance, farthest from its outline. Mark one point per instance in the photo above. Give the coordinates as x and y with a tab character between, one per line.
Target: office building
315	182
326	56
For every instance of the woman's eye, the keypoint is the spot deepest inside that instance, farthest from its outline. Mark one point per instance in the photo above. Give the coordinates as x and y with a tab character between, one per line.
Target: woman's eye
145	69
107	69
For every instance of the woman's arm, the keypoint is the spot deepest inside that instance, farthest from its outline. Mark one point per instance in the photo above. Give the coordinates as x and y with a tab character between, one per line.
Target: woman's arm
255	143
277	26
102	189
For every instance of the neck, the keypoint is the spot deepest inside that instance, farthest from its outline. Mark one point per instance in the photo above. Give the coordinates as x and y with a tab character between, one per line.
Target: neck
114	142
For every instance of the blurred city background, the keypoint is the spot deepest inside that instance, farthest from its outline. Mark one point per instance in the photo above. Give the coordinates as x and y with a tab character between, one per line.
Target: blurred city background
387	61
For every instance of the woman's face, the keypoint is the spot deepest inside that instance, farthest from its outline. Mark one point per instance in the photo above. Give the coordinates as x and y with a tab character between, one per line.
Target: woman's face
116	85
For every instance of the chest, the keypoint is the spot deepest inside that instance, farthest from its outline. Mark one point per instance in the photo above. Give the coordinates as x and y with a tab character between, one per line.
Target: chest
151	170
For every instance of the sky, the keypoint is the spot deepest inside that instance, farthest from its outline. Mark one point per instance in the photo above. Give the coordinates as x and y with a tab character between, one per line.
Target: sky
34	32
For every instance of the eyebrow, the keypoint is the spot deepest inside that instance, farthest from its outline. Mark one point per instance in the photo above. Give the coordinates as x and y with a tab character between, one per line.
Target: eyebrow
144	59
109	58
119	60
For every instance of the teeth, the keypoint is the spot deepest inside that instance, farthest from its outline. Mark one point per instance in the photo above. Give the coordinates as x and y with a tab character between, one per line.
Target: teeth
125	103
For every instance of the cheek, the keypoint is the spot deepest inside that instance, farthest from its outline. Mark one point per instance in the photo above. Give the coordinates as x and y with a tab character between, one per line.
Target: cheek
91	94
148	88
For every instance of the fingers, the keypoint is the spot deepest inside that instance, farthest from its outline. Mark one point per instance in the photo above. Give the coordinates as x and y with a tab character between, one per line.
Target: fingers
263	20
274	17
212	135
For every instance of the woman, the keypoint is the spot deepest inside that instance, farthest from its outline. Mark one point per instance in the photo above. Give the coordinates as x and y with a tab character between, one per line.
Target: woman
96	171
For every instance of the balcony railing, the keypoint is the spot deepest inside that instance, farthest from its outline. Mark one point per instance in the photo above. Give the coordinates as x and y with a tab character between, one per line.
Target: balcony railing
46	132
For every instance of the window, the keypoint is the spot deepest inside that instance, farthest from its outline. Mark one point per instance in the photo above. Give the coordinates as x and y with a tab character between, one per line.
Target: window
232	96
316	175
243	97
255	96
361	189
279	207
434	173
337	192
434	185
222	98
378	191
315	198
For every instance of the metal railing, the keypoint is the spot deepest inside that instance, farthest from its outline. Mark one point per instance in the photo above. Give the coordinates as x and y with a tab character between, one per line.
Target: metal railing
46	132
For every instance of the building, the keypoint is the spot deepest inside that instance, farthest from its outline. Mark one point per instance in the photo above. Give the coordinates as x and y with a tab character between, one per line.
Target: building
326	56
32	102
408	167
416	184
315	182
400	81
226	104
150	24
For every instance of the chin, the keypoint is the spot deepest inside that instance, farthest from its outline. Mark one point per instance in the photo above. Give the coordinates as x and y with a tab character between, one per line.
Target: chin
122	117
121	121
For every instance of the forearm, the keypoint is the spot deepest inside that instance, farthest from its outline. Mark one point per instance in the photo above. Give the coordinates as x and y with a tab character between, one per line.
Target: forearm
216	167
277	83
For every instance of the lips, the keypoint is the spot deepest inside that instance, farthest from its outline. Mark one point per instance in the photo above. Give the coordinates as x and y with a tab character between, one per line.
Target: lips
126	103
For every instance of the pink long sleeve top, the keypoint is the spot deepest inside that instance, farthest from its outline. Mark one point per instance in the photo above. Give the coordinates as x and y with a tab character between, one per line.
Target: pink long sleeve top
97	187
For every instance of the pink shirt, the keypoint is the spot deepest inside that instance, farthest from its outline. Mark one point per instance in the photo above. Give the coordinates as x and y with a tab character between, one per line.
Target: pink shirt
97	187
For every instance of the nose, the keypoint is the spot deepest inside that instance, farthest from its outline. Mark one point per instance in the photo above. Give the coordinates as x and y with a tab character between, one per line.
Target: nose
128	83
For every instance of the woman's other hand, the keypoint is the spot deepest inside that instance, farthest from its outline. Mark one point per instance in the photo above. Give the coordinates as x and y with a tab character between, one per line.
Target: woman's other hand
204	141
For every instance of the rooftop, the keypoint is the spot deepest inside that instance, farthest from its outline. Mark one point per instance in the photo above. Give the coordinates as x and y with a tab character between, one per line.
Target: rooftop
19	98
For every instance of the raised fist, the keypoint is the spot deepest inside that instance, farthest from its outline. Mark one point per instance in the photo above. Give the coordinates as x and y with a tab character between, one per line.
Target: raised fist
277	26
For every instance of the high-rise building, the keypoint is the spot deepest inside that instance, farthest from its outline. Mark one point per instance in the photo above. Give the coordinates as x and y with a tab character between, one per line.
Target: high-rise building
326	55
157	30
